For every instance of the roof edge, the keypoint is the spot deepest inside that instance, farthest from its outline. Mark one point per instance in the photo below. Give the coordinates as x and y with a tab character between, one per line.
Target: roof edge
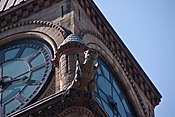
123	45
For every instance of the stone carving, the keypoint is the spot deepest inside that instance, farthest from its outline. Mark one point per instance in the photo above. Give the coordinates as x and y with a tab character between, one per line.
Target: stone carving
85	72
61	105
76	111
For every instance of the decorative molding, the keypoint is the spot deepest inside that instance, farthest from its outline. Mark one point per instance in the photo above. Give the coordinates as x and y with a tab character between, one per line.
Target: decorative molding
5	4
78	110
40	22
48	31
58	103
128	74
23	10
116	46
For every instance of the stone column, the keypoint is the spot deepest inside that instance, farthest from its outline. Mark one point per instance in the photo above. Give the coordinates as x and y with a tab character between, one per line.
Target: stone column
70	52
67	62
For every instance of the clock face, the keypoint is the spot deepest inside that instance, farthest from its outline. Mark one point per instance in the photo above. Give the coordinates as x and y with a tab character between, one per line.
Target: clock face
109	94
25	67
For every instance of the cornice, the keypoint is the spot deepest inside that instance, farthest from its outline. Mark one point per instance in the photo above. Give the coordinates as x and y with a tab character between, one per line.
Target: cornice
58	103
120	51
136	76
130	79
23	10
37	22
9	4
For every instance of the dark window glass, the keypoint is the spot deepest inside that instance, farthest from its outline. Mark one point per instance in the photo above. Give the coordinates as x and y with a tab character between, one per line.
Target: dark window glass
27	52
11	54
109	93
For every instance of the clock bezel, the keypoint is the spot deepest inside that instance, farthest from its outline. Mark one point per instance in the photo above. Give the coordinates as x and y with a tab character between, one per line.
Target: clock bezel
41	90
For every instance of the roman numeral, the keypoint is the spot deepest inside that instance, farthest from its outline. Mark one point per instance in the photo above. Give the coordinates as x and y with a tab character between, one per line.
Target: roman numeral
1	89
33	82
2	57
1	72
39	66
1	110
1	105
32	56
20	98
20	52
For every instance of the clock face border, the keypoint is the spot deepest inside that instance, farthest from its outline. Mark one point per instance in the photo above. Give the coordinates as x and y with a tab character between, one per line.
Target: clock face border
42	49
109	93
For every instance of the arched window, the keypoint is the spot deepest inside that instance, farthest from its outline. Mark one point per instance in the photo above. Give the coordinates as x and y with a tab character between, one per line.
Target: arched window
109	94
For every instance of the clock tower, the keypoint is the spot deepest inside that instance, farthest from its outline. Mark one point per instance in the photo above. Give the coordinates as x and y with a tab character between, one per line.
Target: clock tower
61	58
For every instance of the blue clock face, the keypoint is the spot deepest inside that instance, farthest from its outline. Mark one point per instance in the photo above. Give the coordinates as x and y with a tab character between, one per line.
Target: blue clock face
109	94
25	67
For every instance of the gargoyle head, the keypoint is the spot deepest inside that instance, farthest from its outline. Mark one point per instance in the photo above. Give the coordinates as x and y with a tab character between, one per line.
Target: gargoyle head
91	54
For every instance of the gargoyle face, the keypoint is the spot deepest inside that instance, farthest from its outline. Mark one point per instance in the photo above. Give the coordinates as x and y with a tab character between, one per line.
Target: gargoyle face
91	54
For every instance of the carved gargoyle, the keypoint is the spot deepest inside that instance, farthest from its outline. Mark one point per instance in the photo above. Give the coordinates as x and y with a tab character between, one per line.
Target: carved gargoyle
85	73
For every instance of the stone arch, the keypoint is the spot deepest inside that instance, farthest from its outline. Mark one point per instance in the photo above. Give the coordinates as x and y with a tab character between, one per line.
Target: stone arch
95	41
51	33
76	111
43	30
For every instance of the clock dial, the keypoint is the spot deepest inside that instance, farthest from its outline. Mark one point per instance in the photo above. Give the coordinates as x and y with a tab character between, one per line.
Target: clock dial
109	94
25	67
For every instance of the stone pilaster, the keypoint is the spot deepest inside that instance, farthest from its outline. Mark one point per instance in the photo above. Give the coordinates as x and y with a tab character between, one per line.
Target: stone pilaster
67	67
69	55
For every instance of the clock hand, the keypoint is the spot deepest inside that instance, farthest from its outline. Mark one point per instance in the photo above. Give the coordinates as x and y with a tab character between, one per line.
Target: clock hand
1	95
21	74
13	80
0	81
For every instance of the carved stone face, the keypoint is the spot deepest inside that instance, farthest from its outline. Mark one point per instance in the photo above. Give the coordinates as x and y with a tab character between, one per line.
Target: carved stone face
91	54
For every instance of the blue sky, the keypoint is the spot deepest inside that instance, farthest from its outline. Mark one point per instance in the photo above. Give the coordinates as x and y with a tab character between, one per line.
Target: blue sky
147	27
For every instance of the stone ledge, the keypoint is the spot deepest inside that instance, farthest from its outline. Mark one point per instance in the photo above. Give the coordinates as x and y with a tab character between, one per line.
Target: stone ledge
66	99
